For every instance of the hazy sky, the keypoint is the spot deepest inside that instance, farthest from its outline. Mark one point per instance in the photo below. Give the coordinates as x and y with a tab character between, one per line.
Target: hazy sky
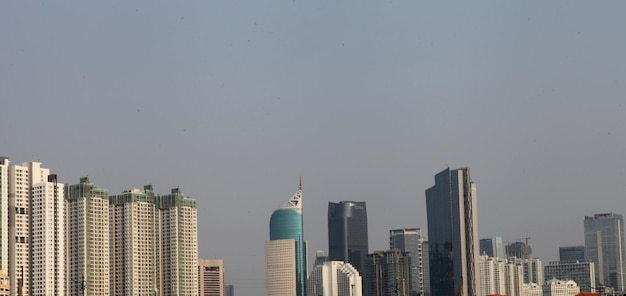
232	101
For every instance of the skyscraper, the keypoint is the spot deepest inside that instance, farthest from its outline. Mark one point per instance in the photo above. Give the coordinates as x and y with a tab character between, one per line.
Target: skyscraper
453	234
493	247
88	239
347	233
285	252
211	277
582	272
334	278
411	241
153	246
604	245
4	213
36	230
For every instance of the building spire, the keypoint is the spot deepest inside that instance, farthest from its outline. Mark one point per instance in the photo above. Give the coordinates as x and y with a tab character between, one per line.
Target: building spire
300	186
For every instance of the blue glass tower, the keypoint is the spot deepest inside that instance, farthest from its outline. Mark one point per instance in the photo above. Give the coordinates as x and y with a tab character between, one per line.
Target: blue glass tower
286	223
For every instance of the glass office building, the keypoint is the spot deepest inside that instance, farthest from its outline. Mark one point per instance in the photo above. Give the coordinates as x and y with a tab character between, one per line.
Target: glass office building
347	233
604	245
286	225
453	234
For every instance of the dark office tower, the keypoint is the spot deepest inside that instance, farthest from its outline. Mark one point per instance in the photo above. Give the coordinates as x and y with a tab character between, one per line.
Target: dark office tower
604	245
347	233
389	273
572	253
411	241
453	234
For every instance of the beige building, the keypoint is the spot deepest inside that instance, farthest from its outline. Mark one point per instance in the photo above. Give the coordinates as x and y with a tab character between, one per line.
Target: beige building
4	283
36	231
211	277
153	243
88	239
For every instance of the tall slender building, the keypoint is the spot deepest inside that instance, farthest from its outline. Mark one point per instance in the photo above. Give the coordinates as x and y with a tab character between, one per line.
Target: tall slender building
4	213
36	231
88	239
604	245
411	241
347	233
453	234
285	252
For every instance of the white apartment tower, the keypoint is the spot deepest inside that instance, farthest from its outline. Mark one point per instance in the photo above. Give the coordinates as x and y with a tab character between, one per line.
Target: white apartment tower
4	213
36	231
211	277
179	222
88	239
153	243
334	278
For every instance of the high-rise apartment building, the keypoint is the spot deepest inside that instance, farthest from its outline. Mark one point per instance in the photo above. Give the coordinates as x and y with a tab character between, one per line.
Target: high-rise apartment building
179	249
533	269
572	253
604	245
581	272
500	277
211	277
411	241
4	213
134	243
36	231
388	273
492	247
153	246
347	233
453	234
334	278
87	239
285	252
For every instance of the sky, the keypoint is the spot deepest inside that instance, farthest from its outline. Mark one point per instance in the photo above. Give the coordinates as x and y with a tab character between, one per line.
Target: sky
233	101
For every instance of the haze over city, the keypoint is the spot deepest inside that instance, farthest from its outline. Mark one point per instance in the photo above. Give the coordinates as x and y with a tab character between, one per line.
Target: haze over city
234	101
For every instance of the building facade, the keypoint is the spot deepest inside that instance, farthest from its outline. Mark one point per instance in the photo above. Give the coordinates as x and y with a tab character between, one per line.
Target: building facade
211	277
36	210
492	247
556	287
581	272
4	213
411	241
453	234
285	252
604	245
88	239
334	278
388	273
572	253
347	233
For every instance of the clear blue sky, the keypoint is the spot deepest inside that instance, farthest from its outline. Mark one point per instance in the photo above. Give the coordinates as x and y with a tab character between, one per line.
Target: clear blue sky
233	100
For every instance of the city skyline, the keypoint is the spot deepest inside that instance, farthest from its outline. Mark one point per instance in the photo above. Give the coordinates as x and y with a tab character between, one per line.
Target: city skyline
233	100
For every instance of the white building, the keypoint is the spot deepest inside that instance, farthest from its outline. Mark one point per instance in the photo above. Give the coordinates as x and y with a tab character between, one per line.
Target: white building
37	231
500	277
533	269
153	243
211	277
4	213
334	278
88	239
556	287
532	289
280	266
